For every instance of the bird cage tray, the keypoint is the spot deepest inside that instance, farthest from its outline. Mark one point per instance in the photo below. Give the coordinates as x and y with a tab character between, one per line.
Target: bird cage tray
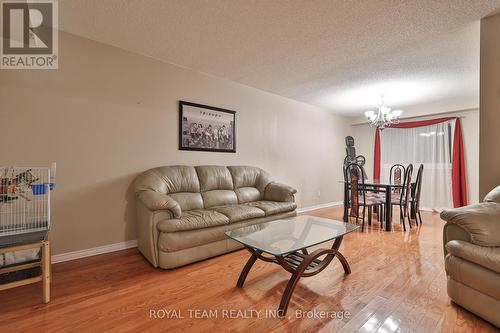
23	238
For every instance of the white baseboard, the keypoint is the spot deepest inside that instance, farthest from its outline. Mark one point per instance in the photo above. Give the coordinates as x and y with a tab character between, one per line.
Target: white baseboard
324	205
133	243
94	251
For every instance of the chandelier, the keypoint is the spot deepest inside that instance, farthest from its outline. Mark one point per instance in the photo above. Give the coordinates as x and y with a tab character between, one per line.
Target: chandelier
384	117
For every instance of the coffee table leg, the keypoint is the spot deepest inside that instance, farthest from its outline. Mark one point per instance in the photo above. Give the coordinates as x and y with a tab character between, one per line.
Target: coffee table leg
290	287
246	269
343	261
301	270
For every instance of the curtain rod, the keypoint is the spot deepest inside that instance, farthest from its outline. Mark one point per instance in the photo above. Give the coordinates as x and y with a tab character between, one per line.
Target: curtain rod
426	116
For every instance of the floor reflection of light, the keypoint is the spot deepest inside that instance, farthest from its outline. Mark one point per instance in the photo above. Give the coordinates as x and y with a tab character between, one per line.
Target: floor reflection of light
391	324
369	325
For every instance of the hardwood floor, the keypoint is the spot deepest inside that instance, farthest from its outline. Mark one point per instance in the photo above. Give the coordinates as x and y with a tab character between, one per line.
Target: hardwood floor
397	283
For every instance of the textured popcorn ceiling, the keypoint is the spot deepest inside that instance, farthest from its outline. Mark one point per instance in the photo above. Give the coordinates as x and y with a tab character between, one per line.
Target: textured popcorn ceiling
339	55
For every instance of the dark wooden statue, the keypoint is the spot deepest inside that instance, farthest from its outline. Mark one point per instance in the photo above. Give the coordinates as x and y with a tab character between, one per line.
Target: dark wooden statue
351	157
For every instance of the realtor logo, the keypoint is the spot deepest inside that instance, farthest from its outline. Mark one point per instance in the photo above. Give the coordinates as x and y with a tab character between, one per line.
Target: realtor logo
29	34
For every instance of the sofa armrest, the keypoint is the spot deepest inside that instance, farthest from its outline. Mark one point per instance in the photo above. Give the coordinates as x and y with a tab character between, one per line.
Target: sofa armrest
480	221
493	195
159	201
147	231
488	257
279	192
452	232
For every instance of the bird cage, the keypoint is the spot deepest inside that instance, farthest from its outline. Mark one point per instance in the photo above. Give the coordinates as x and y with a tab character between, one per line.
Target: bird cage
24	225
24	205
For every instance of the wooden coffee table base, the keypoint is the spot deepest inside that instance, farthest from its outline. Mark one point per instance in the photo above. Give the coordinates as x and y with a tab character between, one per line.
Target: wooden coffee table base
299	264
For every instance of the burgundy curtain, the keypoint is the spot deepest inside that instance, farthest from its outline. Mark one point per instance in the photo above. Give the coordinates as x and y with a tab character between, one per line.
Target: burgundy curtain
458	181
459	184
376	153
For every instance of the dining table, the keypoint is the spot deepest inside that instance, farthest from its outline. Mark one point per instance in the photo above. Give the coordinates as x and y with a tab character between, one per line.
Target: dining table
373	185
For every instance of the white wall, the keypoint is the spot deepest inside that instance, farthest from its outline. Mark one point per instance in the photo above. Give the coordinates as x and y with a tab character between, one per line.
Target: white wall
364	137
107	115
490	103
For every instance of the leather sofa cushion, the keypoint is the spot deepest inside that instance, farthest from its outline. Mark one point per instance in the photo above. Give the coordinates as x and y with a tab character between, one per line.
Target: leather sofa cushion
481	221
219	198
185	239
188	201
472	275
493	195
273	207
213	177
488	257
175	241
246	176
194	219
168	260
237	213
248	194
169	179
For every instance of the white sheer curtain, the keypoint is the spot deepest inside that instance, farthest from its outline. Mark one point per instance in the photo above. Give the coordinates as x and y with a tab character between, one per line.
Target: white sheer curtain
429	145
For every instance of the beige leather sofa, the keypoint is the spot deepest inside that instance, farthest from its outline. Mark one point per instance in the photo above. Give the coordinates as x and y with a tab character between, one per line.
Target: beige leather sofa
183	211
472	256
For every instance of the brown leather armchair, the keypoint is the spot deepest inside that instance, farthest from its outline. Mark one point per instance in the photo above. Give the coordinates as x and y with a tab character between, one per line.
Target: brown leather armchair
471	239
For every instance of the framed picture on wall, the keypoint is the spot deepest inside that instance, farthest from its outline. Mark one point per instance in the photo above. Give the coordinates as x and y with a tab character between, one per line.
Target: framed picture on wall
206	128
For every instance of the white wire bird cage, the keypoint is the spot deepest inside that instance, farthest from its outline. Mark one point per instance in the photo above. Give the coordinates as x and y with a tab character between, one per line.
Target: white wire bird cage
24	227
24	204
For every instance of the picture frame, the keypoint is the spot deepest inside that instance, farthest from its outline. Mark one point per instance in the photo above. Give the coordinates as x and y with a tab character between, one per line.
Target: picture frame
206	128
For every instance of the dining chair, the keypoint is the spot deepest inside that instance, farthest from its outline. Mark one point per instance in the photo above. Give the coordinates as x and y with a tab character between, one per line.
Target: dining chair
401	199
415	195
396	175
358	193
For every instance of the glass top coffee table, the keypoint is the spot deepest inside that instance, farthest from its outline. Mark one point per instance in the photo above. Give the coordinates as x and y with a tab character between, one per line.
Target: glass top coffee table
286	242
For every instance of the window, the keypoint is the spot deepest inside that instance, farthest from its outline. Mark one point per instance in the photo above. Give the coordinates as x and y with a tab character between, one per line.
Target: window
429	145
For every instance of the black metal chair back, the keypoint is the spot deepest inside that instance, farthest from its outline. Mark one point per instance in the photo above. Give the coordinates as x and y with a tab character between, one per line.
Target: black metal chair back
405	193
418	187
396	174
